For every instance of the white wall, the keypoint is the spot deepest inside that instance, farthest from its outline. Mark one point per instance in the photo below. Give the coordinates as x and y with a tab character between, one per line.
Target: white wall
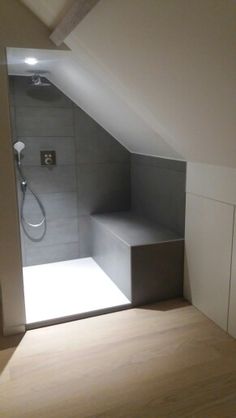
210	282
167	66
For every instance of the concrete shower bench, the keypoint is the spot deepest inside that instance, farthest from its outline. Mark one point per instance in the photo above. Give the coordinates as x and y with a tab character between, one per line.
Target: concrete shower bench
143	259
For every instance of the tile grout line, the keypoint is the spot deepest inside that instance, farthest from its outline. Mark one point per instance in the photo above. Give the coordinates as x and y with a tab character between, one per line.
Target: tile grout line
231	264
210	198
76	164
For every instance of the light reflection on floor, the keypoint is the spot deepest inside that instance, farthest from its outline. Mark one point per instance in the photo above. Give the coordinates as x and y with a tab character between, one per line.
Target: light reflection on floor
68	288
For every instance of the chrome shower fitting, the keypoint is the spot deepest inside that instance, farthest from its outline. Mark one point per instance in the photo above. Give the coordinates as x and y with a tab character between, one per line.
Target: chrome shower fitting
39	81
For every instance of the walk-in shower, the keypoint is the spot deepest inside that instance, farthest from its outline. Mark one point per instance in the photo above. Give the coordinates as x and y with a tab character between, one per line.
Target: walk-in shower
67	167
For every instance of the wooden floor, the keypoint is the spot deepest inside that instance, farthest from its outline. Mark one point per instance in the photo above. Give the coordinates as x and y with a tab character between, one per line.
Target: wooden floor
161	361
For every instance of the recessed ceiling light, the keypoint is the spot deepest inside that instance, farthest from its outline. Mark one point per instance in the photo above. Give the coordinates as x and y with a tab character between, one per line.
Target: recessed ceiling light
31	60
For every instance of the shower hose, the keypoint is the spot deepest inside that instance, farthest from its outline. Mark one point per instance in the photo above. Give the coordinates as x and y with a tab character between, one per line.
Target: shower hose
24	222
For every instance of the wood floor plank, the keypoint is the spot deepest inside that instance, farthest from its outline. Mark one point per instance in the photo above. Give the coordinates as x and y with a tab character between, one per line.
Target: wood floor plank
161	361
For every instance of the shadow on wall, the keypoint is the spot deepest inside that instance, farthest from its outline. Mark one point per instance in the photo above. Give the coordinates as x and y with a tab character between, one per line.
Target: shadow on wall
167	305
187	281
8	345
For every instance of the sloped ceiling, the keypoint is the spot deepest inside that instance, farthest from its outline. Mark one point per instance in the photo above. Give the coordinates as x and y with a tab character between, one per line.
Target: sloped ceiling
159	75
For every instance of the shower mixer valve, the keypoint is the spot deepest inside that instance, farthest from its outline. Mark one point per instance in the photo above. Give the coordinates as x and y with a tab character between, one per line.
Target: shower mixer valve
48	158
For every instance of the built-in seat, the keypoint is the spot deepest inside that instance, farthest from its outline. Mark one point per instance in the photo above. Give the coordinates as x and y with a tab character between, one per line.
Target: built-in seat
145	260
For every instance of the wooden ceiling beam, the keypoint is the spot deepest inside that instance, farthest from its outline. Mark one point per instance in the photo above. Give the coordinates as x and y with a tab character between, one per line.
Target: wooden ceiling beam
76	13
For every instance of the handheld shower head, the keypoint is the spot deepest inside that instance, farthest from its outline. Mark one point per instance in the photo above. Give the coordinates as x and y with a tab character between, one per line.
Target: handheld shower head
18	147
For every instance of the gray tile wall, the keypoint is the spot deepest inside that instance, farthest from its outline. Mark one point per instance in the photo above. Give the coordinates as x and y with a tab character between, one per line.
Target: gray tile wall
92	172
112	255
103	174
158	190
44	120
157	272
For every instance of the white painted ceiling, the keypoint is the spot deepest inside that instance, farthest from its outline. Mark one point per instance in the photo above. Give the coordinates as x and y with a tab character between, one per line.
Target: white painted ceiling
159	75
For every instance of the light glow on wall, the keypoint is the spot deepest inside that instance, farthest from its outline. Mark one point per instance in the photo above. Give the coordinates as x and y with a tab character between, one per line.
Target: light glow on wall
31	60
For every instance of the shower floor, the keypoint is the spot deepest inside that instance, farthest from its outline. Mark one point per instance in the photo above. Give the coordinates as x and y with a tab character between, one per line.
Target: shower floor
67	288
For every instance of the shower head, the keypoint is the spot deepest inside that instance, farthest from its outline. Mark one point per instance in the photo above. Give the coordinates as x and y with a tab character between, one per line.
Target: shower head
40	88
39	81
18	147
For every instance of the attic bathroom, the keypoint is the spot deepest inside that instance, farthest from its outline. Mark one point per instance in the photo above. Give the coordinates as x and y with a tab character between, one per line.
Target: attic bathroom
101	228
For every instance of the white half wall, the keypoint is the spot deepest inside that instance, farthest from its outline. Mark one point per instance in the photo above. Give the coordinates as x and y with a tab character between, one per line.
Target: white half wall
210	280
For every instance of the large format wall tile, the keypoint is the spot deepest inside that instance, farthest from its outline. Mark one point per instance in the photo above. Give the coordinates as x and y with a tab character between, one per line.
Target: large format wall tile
51	180
57	205
113	256
103	175
158	190
11	89
94	144
158	162
59	231
13	123
52	253
103	187
64	147
84	236
157	272
40	121
208	242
